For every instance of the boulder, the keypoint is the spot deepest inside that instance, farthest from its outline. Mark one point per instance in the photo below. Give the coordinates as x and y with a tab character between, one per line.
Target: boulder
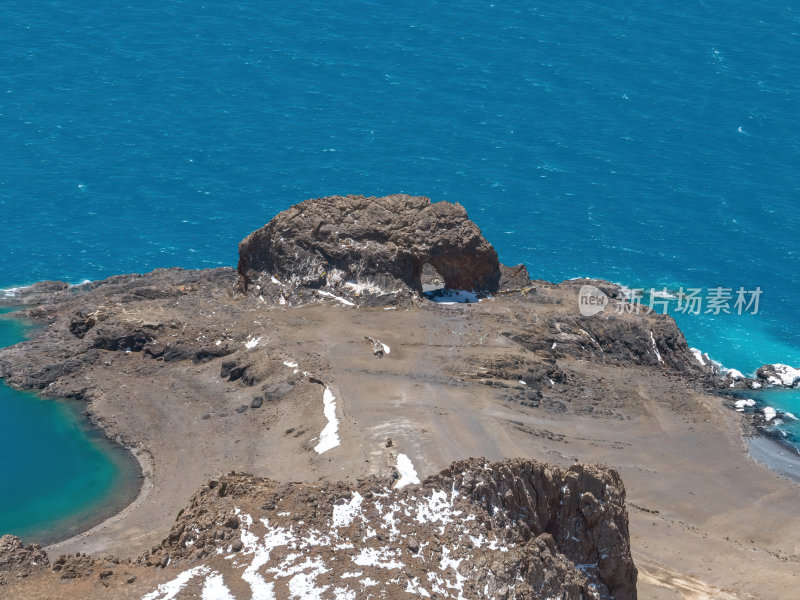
381	243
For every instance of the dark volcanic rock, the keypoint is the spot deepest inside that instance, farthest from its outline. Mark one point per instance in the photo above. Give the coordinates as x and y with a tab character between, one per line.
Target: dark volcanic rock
383	242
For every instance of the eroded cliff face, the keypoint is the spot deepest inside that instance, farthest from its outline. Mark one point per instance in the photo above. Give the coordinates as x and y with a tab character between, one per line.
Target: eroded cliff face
511	529
379	242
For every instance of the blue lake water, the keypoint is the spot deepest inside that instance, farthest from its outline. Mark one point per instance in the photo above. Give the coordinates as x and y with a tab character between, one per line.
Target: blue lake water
57	474
651	144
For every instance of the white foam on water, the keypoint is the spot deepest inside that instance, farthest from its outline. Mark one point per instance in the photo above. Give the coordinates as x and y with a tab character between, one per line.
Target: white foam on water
700	356
329	438
769	413
784	375
734	374
663	294
10	292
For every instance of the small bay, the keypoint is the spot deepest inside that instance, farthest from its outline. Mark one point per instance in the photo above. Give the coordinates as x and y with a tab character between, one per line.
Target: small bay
58	474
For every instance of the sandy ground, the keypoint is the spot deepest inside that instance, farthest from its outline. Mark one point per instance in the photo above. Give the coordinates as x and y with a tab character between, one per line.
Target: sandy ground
707	521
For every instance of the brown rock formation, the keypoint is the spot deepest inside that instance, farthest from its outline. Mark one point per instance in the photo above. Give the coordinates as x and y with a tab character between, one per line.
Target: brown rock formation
516	528
381	241
18	560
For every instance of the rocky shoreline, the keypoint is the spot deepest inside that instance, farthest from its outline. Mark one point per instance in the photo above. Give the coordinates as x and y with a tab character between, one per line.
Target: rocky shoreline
321	333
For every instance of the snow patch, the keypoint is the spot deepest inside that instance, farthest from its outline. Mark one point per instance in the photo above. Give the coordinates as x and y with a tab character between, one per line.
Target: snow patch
303	585
335	297
215	589
170	589
454	297
252	343
344	514
383	558
769	413
655	348
361	287
408	474
329	438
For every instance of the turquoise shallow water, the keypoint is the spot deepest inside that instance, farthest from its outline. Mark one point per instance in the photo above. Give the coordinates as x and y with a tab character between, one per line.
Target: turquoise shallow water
652	144
57	475
785	402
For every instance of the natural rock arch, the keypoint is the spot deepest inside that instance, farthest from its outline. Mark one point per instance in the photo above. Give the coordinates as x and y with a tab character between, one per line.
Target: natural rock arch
385	241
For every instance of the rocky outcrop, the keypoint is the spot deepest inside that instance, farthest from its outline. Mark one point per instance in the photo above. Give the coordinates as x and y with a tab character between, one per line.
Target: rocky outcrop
516	529
514	277
19	560
513	529
779	375
653	340
379	242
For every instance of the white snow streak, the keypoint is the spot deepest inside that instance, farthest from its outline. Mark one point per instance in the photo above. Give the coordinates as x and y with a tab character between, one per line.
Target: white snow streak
335	297
329	438
252	343
170	589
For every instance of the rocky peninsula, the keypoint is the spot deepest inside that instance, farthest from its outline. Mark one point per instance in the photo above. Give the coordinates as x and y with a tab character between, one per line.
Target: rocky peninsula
325	421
